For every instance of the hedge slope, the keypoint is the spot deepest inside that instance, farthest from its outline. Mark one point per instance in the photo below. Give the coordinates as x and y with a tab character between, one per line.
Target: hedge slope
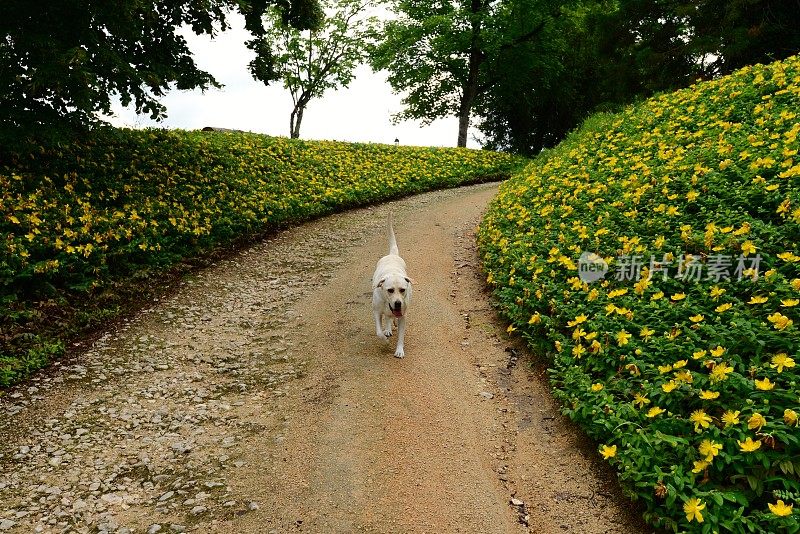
682	361
84	224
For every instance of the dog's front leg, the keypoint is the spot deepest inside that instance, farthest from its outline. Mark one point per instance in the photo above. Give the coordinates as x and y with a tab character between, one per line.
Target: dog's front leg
401	332
379	325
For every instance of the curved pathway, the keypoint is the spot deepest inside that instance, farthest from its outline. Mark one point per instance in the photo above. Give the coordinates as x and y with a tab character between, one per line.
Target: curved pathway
255	397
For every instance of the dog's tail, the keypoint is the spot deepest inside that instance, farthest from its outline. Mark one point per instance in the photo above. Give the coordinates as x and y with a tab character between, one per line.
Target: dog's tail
392	239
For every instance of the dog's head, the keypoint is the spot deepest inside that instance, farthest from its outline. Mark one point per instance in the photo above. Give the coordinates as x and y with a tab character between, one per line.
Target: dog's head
396	290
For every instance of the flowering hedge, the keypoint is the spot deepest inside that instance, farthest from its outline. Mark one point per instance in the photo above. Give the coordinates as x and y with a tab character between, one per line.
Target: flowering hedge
681	359
83	223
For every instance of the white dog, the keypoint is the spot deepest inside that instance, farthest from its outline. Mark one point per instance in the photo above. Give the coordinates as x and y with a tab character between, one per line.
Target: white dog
391	294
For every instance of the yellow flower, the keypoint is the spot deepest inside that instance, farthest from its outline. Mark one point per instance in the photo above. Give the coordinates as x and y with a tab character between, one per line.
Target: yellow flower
684	376
720	372
640	400
723	307
658	295
709	395
646	333
708	449
748	445
680	364
578	350
664	368
654	411
780	361
790	417
748	248
696	318
699	354
717	292
692	509
669	386
578	320
536	318
700	465
756	421
622	338
790	303
764	385
730	418
678	296
780	508
717	352
700	419
608	451
779	321
756	299
510	328
597	387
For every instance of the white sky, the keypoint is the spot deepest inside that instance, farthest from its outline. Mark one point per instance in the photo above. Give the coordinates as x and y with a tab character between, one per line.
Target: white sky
360	113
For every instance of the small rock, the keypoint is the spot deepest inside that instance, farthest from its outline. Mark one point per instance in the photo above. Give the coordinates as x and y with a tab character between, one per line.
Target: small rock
517	502
487	395
177	528
154	528
111	498
197	510
253	506
6	524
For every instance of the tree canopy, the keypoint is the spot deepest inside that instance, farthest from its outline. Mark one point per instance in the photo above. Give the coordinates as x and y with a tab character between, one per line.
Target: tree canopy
61	62
309	62
531	70
445	55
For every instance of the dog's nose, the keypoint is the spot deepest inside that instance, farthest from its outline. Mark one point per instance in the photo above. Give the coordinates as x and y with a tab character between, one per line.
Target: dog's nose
397	305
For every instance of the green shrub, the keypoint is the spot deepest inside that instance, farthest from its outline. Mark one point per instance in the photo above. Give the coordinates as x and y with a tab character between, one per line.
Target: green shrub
687	379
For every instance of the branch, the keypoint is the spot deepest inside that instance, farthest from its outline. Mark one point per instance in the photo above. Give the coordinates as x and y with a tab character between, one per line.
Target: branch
527	37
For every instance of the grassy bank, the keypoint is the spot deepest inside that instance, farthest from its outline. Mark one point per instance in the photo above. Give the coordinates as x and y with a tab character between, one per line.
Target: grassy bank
88	224
681	361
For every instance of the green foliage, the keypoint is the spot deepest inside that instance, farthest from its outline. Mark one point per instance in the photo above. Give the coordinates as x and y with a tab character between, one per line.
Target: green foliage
690	383
61	62
601	54
309	62
88	225
444	55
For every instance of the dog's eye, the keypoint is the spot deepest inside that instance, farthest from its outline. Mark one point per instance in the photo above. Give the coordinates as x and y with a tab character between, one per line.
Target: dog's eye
402	290
390	290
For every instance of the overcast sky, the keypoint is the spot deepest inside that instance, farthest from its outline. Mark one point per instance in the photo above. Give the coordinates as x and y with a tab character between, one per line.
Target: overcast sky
361	112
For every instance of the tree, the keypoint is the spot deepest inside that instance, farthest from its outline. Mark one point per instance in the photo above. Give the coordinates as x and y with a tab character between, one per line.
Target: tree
61	62
309	62
444	53
601	54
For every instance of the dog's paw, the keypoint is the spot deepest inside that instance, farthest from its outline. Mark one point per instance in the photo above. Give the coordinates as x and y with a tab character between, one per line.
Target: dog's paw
382	336
399	353
387	333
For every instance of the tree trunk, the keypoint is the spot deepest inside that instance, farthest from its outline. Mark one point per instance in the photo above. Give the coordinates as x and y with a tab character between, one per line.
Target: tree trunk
295	119
469	91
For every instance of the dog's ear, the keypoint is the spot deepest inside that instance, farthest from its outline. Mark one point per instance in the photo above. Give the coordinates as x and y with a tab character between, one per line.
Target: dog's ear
380	284
409	280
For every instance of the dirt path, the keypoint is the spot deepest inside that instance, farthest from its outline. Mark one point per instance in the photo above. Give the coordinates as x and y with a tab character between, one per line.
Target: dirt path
258	399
